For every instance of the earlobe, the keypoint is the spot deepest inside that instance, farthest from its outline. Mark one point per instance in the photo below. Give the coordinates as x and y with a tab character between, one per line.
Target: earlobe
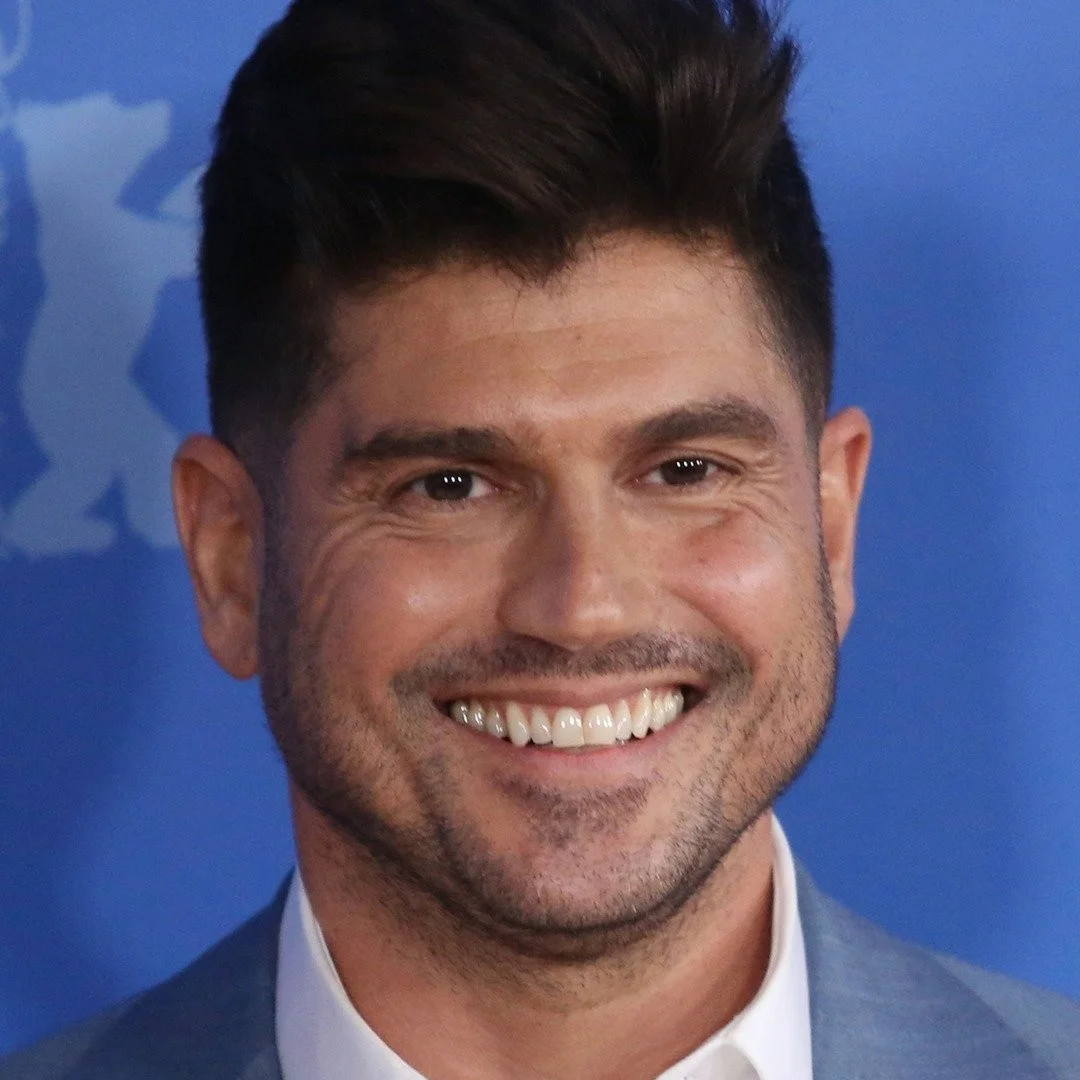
219	518
843	459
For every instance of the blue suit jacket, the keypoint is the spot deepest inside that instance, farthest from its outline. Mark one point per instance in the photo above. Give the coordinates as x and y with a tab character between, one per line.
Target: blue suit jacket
880	1010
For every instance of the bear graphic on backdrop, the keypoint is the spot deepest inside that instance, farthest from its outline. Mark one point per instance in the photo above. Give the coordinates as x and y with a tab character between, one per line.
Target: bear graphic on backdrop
11	56
104	268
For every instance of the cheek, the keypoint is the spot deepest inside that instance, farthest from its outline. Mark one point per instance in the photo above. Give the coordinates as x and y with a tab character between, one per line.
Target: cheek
751	581
382	605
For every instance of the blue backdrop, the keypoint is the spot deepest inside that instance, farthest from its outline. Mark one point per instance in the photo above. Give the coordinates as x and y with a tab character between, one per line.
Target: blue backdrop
142	809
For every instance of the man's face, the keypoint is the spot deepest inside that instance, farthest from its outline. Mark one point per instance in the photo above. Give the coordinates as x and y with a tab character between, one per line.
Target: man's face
550	500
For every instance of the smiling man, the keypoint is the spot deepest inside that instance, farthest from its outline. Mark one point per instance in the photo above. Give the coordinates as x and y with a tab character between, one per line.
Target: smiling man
525	505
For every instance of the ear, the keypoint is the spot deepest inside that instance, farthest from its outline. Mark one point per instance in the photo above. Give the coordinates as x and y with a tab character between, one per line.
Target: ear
844	454
219	516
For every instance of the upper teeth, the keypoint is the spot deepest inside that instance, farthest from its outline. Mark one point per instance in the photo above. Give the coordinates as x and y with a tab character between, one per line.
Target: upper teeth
598	725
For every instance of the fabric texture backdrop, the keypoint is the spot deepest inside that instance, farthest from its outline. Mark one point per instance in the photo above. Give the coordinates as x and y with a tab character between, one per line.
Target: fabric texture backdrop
142	809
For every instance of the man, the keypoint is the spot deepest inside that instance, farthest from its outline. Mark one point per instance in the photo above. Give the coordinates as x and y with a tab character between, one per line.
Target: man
524	503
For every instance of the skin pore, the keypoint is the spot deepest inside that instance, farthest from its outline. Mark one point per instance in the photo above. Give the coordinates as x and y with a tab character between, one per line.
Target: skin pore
557	495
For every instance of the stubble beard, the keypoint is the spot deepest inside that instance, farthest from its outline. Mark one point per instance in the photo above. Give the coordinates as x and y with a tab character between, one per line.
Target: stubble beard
442	879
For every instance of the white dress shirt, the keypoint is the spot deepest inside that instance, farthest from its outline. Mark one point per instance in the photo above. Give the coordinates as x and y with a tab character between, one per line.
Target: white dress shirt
321	1036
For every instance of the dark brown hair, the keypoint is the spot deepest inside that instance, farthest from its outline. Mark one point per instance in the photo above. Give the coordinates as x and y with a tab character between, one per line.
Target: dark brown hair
364	137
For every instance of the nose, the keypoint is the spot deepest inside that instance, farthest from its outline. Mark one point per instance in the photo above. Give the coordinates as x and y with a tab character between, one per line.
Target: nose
577	577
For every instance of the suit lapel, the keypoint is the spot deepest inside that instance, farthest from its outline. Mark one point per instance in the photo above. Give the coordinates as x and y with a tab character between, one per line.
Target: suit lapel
884	1010
213	1021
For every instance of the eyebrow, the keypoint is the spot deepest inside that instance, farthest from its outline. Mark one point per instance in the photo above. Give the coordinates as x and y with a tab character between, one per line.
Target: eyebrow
391	444
731	417
728	418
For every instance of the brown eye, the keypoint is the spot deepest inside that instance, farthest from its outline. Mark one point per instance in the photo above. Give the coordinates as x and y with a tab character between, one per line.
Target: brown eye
448	486
683	471
451	485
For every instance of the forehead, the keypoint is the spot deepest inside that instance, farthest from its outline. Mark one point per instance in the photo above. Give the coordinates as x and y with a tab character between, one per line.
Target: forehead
636	326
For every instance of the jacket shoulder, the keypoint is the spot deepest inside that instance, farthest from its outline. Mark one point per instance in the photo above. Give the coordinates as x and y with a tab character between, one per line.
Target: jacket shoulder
886	1009
212	1021
1048	1022
59	1055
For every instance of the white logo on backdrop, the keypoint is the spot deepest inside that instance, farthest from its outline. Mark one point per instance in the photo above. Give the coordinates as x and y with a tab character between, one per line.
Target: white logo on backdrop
10	59
104	267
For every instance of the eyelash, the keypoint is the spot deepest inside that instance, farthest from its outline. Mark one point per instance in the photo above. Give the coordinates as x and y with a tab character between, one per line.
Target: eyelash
713	470
415	484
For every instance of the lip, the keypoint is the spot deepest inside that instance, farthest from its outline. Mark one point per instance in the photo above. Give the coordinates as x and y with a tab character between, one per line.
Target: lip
584	767
588	767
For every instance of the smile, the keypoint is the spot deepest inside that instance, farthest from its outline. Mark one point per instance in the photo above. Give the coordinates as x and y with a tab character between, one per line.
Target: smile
604	724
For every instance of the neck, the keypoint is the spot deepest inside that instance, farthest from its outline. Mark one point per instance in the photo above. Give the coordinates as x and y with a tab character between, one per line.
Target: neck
456	1003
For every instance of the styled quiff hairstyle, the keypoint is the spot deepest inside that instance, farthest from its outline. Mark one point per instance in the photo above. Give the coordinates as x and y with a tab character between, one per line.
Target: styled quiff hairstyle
363	138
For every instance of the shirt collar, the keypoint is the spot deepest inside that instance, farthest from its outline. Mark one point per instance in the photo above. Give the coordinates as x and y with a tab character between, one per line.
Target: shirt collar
320	1034
771	1035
